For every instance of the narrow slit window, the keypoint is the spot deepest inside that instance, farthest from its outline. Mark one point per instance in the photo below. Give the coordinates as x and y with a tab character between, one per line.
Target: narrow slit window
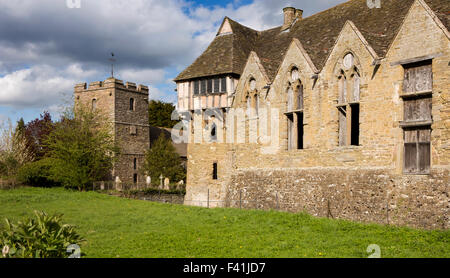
132	104
135	178
300	131
355	124
214	175
135	163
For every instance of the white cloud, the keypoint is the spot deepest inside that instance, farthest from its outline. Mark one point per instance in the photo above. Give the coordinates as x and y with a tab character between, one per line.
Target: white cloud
39	86
143	76
46	48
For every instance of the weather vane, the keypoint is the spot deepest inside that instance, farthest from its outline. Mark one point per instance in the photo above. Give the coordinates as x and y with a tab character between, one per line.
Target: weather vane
112	60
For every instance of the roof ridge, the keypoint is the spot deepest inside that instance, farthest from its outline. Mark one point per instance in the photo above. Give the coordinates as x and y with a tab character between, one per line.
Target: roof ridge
317	33
239	24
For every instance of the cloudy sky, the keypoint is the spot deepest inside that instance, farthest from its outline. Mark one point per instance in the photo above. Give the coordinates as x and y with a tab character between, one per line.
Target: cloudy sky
47	46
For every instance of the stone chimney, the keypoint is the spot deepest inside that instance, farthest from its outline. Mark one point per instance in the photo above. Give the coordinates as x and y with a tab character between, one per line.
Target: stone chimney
290	15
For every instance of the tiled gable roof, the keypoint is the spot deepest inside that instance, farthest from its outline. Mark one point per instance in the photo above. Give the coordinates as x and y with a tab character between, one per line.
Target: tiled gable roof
317	33
227	53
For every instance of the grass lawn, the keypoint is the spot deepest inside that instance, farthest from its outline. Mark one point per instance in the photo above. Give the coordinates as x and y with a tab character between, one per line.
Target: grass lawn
115	227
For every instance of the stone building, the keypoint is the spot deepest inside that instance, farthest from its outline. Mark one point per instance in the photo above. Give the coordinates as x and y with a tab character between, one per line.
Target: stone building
346	114
126	107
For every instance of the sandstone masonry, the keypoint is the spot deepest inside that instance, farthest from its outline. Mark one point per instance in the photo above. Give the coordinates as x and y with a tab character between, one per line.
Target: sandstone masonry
126	107
359	115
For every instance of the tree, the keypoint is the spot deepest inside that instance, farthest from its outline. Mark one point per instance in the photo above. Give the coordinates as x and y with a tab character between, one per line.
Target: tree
82	149
14	152
159	114
36	132
20	128
162	159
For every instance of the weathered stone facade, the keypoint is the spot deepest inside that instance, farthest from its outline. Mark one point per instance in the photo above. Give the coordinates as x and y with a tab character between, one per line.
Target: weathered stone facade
361	177
126	106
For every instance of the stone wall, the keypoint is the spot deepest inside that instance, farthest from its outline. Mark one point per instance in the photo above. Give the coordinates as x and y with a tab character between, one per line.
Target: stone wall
355	194
129	126
361	183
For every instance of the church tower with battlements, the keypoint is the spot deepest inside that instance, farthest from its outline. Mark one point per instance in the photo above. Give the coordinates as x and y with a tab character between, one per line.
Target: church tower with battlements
126	106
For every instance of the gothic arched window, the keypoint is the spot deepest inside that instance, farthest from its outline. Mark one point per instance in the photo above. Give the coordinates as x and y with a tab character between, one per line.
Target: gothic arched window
348	83
294	113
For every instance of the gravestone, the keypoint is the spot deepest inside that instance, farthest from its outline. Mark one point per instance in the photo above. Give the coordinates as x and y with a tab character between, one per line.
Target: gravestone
180	185
166	184
161	184
118	183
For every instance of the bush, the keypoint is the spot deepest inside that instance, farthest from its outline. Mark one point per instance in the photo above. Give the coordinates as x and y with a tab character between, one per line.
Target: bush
37	174
82	148
40	237
14	152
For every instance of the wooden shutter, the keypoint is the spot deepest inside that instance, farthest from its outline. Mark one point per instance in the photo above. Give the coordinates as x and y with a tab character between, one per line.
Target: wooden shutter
417	109
418	77
300	97
417	150
290	99
410	151
424	146
356	88
342	126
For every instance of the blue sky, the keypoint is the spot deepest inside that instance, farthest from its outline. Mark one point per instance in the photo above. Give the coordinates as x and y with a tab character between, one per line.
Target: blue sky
46	47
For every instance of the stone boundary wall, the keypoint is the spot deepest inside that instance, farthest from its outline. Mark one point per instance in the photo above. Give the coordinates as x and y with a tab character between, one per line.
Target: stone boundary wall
362	195
160	198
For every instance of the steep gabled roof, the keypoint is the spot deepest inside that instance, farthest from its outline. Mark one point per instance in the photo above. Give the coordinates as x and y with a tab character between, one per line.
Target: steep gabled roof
227	53
317	33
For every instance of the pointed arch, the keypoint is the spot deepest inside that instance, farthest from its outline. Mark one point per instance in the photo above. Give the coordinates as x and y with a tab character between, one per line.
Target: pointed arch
348	75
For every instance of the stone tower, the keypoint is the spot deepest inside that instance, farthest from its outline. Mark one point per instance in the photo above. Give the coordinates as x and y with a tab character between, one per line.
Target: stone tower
126	106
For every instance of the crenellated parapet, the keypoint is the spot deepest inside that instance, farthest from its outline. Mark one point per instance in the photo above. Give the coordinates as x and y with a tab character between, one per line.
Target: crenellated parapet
111	83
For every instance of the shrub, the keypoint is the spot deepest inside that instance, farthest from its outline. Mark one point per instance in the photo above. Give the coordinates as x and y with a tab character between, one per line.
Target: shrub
37	174
13	150
41	237
82	148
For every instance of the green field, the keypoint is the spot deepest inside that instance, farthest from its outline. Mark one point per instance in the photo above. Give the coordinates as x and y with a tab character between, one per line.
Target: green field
115	227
